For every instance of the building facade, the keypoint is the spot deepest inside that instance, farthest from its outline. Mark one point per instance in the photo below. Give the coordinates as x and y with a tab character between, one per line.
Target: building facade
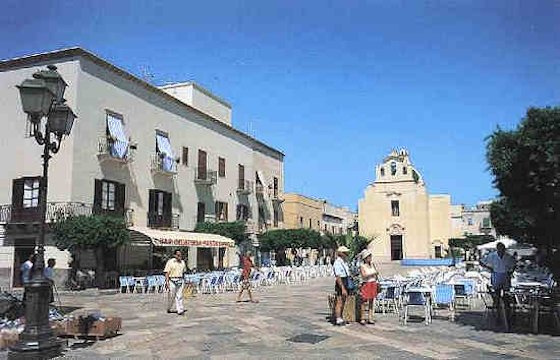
397	210
163	158
301	211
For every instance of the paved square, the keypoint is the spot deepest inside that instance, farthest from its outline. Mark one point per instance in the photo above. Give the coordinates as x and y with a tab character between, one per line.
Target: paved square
288	323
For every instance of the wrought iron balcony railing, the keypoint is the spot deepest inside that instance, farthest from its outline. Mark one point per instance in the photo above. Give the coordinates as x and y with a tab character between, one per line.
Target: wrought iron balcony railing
164	165
205	177
56	211
245	187
163	221
111	149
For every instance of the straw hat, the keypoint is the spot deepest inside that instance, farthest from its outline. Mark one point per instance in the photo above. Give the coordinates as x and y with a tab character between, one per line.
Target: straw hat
342	249
365	254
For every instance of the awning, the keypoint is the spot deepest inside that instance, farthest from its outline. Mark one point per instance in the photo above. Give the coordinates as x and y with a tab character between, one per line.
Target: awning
179	238
116	129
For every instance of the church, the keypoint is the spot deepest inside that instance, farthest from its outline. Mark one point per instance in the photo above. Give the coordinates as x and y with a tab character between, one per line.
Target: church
405	221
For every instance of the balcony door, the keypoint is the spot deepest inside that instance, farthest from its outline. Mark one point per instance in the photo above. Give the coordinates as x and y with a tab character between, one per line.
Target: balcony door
25	199
159	212
201	212
202	164
108	198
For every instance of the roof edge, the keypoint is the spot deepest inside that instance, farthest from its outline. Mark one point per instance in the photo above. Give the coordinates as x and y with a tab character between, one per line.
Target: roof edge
31	60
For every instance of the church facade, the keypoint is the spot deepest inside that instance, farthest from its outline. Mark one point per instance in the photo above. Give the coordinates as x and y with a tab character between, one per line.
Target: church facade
399	213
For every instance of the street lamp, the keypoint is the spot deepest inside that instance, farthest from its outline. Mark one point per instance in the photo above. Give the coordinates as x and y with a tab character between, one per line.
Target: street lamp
42	97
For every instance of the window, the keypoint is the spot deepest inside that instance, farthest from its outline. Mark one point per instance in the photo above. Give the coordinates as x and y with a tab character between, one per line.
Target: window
395	211
310	223
382	171
318	224
201	169
301	221
108	197
275	217
200	212
221	210
241	170
469	220
159	212
185	159
393	168
275	182
31	193
242	212
221	167
405	170
438	252
117	140
486	222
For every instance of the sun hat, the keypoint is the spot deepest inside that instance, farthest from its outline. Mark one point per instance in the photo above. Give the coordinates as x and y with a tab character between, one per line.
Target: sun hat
365	254
342	249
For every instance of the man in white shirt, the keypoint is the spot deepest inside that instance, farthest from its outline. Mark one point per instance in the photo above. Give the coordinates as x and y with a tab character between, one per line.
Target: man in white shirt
502	265
174	270
342	273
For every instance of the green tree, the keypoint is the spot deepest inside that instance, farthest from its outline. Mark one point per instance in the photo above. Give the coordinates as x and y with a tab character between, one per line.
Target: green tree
237	231
100	233
281	239
525	163
470	242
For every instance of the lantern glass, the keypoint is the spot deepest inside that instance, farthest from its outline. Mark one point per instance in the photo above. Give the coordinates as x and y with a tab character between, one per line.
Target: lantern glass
36	98
61	120
53	81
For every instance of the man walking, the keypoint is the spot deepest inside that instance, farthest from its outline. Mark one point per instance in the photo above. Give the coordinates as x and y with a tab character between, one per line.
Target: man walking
247	265
174	270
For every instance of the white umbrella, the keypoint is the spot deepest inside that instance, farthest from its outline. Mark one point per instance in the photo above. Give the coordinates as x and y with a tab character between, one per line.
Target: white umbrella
492	245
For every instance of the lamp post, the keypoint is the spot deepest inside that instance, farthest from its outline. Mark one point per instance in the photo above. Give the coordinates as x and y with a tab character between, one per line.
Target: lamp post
42	97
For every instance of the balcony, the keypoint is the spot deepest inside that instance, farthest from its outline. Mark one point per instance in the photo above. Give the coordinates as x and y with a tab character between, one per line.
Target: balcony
55	211
211	218
163	165
115	150
259	189
163	221
245	187
275	196
205	177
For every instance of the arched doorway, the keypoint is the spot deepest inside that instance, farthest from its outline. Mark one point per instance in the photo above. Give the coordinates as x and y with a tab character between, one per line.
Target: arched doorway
396	236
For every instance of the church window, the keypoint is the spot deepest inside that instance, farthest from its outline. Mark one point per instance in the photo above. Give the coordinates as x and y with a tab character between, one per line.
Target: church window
393	168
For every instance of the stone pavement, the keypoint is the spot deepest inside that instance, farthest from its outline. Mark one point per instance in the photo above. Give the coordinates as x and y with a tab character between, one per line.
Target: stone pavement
288	323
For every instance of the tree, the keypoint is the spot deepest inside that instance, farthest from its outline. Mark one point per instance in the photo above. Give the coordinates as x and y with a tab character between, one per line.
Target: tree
101	233
237	230
525	163
281	239
470	242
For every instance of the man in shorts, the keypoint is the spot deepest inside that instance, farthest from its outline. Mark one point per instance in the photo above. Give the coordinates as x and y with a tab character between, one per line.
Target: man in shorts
247	265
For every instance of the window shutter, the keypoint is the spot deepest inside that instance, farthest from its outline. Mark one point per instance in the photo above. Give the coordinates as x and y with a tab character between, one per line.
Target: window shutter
167	208
152	202
226	211
216	210
120	197
97	194
17	193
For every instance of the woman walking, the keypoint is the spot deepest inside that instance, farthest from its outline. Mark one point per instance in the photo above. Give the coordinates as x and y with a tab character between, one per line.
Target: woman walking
368	290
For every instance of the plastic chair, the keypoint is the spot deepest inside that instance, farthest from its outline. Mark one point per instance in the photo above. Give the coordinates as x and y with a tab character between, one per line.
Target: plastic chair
445	296
416	298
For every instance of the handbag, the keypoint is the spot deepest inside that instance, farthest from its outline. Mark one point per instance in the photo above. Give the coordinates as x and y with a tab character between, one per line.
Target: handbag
350	284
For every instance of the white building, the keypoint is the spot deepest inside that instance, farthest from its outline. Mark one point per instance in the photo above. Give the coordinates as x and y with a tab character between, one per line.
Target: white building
165	158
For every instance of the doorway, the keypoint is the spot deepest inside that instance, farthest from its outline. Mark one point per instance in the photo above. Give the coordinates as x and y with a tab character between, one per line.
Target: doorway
22	250
396	247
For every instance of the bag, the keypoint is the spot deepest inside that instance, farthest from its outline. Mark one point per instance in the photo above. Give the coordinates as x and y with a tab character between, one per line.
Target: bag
350	284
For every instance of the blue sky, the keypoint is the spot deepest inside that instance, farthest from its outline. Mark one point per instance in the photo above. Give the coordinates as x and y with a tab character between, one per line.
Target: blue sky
335	85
